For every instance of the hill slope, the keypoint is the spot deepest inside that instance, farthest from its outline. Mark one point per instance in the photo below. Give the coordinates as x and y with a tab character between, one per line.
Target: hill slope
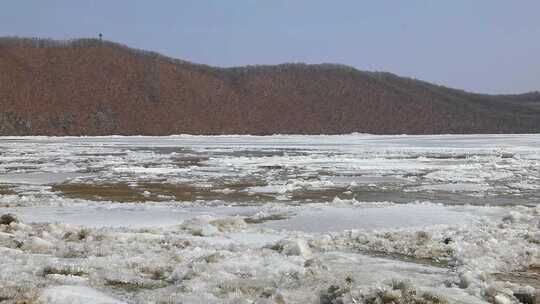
88	87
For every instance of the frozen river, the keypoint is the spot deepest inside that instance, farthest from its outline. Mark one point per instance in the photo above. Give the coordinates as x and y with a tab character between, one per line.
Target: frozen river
270	219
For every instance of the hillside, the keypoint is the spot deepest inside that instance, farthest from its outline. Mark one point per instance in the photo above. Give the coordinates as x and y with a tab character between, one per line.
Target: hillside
89	87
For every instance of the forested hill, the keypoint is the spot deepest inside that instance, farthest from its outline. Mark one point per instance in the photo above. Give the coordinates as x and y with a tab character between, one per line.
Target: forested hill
90	87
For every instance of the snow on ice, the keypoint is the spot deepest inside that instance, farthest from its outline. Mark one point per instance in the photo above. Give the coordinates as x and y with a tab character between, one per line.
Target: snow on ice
279	219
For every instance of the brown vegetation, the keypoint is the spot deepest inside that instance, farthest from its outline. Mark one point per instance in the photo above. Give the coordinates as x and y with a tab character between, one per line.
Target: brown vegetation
89	87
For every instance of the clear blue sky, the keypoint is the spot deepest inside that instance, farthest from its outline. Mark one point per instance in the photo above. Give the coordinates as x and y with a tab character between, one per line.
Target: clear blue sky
490	46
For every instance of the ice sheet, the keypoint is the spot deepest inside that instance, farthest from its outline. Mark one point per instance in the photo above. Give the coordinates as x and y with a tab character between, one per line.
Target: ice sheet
274	219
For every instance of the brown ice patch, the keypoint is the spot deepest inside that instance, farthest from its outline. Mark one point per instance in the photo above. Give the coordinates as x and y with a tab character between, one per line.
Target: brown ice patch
5	190
143	192
184	161
529	277
118	192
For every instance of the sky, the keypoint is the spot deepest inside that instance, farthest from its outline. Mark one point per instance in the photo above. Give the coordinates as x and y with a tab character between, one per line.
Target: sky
485	46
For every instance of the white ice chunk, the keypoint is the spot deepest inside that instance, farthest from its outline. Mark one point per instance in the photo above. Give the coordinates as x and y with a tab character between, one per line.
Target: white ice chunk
75	295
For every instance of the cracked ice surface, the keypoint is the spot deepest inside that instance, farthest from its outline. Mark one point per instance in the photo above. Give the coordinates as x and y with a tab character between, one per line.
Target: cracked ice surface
277	219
